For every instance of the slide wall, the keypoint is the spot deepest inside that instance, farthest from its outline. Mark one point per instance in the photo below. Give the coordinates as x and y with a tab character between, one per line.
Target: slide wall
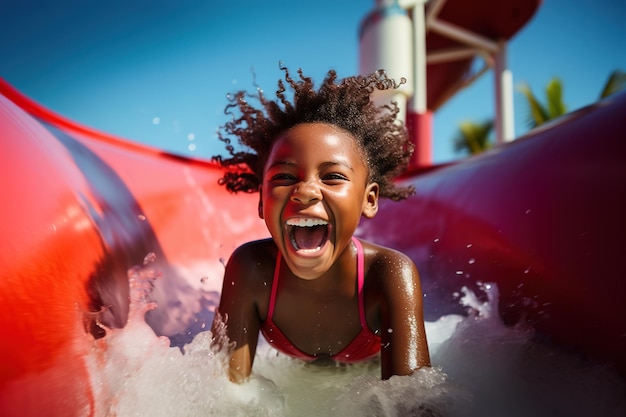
543	217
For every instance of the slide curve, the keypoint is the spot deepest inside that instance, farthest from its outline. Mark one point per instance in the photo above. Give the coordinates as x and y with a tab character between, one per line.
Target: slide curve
543	217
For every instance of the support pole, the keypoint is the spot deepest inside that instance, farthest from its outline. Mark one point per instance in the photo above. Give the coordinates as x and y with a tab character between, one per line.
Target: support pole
503	78
419	119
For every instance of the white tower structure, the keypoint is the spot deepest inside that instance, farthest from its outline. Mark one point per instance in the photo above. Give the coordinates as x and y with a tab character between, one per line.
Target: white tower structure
393	38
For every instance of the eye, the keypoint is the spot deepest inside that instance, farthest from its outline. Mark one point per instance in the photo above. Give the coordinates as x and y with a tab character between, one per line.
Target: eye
335	177
282	178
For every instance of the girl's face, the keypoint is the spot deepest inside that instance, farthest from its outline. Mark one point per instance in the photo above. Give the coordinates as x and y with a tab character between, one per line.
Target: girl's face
315	190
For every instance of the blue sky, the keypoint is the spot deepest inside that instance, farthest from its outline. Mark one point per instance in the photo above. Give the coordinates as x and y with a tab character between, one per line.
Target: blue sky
158	71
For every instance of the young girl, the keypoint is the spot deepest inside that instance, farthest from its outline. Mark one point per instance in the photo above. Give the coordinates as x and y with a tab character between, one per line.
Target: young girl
314	290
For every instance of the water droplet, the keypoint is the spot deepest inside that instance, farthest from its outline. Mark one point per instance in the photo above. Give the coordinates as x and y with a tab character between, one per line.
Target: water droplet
469	245
151	257
459	272
390	330
191	147
191	136
471	261
156	120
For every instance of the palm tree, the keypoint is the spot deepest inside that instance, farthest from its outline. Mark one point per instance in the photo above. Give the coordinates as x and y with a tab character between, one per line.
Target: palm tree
473	138
616	82
555	107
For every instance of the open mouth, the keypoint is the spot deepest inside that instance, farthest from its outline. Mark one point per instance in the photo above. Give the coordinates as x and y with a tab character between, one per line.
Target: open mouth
307	234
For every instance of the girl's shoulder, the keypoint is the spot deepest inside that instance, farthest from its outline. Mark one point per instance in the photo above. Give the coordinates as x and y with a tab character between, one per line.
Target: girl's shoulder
255	249
251	267
254	254
381	256
386	266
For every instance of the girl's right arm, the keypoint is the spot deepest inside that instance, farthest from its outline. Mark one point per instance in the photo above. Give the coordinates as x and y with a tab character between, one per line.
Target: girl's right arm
238	308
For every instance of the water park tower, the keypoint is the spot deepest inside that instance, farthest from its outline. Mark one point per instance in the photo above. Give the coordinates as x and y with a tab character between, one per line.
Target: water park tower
433	45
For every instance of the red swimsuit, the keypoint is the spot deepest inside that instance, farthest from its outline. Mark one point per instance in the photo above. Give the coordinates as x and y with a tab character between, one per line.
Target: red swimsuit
364	346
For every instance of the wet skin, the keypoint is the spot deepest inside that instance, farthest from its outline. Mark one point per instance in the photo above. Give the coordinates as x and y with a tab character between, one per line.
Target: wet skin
316	174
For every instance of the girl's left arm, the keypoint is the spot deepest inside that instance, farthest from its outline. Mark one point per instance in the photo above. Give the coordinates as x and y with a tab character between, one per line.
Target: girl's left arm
403	335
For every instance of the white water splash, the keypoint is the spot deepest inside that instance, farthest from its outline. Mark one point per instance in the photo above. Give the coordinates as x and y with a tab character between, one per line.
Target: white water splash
480	368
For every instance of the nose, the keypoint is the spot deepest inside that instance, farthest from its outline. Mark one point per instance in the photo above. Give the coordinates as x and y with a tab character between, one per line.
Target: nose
306	192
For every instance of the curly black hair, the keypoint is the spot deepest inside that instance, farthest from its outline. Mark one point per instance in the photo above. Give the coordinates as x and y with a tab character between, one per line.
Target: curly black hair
346	104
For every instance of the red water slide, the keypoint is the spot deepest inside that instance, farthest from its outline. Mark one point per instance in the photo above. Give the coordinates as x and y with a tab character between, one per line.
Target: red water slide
544	217
79	208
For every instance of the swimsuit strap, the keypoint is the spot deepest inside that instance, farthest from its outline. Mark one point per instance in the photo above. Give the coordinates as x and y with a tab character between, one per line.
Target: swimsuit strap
270	309
360	280
360	271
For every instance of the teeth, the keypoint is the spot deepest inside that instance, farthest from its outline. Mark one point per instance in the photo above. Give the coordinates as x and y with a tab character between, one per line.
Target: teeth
306	222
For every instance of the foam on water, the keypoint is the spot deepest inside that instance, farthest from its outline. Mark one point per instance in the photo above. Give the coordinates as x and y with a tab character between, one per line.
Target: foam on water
480	368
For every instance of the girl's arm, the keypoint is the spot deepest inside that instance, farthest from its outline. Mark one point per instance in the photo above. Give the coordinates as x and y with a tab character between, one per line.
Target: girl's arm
238	308
403	336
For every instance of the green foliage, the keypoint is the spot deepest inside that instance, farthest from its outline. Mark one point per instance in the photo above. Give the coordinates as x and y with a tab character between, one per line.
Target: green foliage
540	113
473	138
555	106
554	98
615	83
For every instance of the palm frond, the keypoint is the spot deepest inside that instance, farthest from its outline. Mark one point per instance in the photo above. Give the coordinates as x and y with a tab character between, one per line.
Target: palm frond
473	138
554	97
538	114
616	82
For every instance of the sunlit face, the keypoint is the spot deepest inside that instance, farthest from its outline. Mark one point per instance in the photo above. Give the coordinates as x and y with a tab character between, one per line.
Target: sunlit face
315	190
